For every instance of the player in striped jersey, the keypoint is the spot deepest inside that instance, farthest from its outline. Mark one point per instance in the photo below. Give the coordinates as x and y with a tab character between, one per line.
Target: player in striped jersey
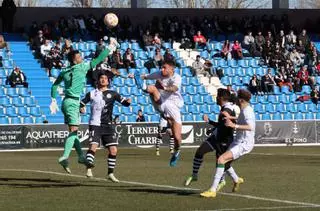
167	100
101	125
219	141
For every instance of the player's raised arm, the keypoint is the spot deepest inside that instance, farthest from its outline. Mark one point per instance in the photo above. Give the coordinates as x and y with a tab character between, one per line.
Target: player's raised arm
53	106
124	101
83	102
109	50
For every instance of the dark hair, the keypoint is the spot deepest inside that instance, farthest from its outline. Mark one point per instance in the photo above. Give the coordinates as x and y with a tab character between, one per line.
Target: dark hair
244	94
139	110
224	94
71	56
169	62
103	73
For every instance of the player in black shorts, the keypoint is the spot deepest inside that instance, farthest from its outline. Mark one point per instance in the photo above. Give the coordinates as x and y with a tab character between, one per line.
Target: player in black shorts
219	141
101	126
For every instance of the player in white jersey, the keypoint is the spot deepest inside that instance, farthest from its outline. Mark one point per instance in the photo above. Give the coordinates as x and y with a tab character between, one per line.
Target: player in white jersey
167	100
242	143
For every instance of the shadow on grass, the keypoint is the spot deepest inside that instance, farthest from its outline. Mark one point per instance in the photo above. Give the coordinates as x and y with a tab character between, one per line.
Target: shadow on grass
163	191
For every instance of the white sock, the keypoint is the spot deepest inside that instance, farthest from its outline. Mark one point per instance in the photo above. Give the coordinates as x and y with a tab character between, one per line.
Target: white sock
217	177
223	177
232	173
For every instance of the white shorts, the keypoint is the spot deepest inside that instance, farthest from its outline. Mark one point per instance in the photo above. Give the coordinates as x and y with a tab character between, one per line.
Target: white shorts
171	110
239	149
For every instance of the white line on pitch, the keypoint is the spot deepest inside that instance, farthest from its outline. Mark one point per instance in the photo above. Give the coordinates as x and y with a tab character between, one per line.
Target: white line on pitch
168	186
284	154
263	208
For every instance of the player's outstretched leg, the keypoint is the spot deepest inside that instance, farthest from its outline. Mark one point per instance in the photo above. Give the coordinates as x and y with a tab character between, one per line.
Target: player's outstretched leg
141	84
176	131
77	146
159	140
63	161
197	161
112	157
237	181
171	144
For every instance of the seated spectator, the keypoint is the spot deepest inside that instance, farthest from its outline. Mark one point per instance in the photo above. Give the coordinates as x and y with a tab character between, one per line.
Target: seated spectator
185	40
158	58
147	41
301	49
311	54
260	40
17	77
66	48
281	78
140	117
82	25
255	85
52	60
45	48
167	56
248	41
156	41
291	40
128	59
277	59
269	37
268	82
198	67
226	50
236	50
100	47
199	40
304	37
281	39
208	67
267	52
303	78
116	60
314	95
3	43
295	58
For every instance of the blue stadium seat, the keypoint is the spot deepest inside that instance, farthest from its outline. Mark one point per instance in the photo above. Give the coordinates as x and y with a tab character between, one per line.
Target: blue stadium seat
225	81
246	80
4	120
204	109
148	109
124	91
270	108
280	108
259	71
318	115
301	107
191	90
12	92
142	55
186	72
287	116
29	101
236	81
259	108
283	98
198	118
55	72
194	81
133	101
285	90
187	99
23	111
318	80
2	114
11	112
266	116
292	97
204	54
276	90
132	118
185	81
291	108
28	120
122	118
272	99
276	116
309	115
184	110
39	120
193	109
312	107
298	116
118	82
228	71
23	92
239	72
15	120
188	118
129	82
201	90
254	62
258	116
126	110
135	91
142	100
253	100
155	118
306	89
16	101
197	99
35	111
215	108
85	119
208	99
262	99
243	63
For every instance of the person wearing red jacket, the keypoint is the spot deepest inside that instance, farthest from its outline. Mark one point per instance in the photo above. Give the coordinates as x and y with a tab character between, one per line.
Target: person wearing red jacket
303	77
200	41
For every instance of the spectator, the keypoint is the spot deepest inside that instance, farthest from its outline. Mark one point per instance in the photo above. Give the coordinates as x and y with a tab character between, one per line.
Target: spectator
198	67
281	78
199	40
260	40
158	58
52	60
295	58
116	60
185	40
226	50
304	37
45	48
277	59
37	42
128	59
236	50
17	77
140	117
269	37
314	95
248	41
254	85
66	48
168	56
100	47
8	11
147	40
311	54
282	39
3	43
301	49
268	82
291	40
82	25
156	41
267	52
303	77
208	67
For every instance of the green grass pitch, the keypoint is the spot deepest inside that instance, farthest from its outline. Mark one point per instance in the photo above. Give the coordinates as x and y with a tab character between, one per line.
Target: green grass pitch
286	178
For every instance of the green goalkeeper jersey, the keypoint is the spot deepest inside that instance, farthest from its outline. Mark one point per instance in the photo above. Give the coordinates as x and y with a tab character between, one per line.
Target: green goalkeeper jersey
74	77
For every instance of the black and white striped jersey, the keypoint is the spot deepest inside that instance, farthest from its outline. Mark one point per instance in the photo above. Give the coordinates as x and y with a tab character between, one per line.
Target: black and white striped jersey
102	105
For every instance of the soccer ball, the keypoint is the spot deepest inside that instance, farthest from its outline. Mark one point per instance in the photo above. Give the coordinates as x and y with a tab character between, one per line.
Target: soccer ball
111	20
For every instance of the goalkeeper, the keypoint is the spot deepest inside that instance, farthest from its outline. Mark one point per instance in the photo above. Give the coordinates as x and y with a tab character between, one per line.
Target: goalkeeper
74	78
